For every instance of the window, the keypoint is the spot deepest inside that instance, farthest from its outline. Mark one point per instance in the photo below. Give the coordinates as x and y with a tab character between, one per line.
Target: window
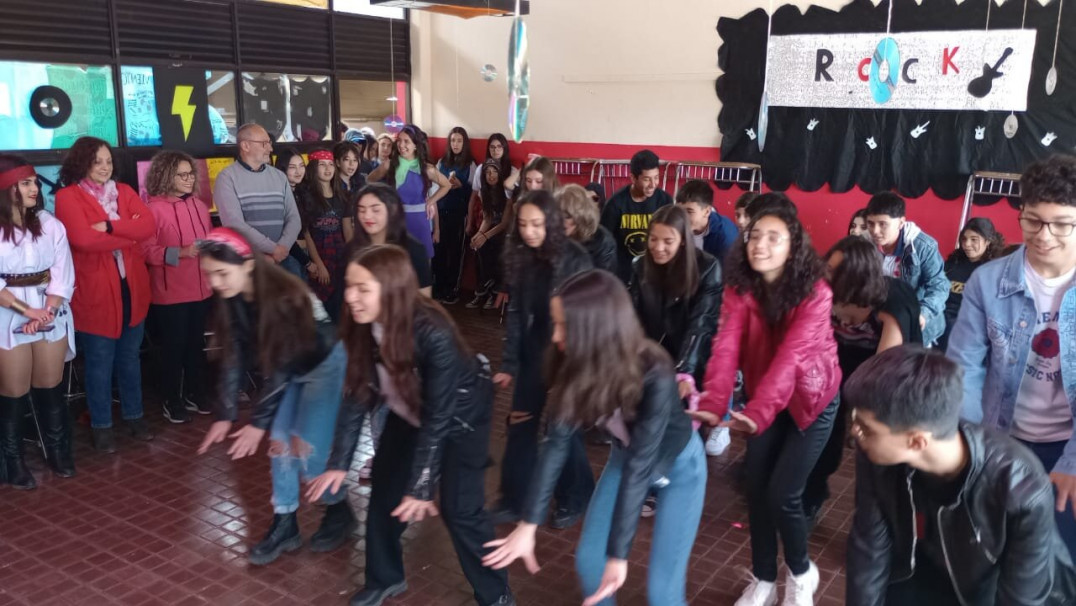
290	107
364	103
50	105
140	107
363	7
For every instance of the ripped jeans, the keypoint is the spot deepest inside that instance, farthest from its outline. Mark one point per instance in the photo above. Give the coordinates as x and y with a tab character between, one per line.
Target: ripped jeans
301	436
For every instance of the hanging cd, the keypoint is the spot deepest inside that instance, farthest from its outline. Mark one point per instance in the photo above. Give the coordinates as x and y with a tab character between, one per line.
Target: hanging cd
393	124
884	70
763	120
1011	126
489	72
519	80
1051	81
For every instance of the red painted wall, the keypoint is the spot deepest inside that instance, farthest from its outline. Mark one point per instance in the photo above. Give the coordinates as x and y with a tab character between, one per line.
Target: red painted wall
824	213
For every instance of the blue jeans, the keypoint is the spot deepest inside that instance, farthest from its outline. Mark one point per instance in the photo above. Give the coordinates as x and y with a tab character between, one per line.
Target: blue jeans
675	524
306	419
291	265
103	357
1049	453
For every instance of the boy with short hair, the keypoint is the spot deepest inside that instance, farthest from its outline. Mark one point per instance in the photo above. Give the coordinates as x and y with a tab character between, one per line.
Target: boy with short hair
946	512
627	212
1015	334
713	232
912	256
742	218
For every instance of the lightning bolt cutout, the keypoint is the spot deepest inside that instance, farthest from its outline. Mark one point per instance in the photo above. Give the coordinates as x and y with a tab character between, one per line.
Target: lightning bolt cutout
182	107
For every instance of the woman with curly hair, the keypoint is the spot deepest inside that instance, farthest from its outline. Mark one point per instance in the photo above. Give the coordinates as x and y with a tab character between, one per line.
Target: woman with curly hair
328	225
410	172
106	223
979	242
538	258
775	327
180	294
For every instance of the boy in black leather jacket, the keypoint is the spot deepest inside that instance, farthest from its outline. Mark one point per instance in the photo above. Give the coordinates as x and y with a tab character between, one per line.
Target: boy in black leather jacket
946	513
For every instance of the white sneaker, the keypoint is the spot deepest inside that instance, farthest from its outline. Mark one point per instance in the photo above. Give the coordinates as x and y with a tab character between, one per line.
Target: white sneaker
799	590
718	442
758	593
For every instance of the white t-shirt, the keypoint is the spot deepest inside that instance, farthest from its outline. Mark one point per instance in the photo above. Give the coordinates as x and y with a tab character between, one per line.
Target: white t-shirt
891	265
1043	413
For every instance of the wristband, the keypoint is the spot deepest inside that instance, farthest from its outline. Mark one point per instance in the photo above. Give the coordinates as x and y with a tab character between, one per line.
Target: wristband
19	307
108	227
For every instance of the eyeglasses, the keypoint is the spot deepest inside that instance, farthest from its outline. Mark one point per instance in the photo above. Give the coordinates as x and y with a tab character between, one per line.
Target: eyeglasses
187	176
262	142
771	237
1034	226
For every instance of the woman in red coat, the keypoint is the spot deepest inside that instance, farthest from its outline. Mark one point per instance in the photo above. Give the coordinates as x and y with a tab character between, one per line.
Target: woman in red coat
106	222
775	326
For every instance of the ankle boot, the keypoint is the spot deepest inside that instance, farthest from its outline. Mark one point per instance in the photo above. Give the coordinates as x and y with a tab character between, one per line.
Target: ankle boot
283	536
12	411
55	429
336	527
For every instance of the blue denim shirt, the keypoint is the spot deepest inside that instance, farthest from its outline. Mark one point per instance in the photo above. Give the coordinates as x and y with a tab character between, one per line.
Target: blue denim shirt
922	268
992	339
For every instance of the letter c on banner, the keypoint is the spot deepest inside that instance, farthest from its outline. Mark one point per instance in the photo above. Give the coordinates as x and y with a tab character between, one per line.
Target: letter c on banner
887	51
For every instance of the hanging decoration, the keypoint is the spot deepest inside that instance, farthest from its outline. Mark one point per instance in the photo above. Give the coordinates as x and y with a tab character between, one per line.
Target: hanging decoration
1051	75
764	104
519	78
489	72
1012	125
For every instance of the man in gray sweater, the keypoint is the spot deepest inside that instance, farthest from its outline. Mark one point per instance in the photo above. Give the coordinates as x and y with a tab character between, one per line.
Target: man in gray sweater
256	200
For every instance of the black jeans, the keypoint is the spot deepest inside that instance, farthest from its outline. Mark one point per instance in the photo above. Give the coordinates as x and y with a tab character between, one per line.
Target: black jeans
576	482
488	259
181	330
776	465
816	492
462	490
447	261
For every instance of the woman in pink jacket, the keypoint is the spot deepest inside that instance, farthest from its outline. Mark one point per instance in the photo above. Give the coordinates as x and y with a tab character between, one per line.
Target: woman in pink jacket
180	293
775	326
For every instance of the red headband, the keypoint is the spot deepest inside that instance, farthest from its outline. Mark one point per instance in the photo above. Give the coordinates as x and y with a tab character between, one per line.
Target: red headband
13	176
322	154
231	239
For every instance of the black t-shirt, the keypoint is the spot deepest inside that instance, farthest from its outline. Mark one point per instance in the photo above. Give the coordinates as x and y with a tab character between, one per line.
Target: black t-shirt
855	344
420	261
958	271
930	494
629	221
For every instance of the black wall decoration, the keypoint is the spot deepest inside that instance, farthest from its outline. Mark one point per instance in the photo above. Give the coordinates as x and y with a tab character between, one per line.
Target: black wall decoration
183	109
907	150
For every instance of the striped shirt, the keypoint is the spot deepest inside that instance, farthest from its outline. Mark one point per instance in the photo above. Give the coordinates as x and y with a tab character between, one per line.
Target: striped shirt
259	205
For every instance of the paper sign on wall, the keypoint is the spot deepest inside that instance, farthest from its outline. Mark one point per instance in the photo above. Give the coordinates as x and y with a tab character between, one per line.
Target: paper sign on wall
949	70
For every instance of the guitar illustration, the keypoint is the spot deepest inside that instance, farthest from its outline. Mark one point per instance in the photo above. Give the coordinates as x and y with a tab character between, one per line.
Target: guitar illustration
980	87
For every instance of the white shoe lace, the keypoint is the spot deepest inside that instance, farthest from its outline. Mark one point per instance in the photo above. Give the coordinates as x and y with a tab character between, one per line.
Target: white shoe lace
798	589
757	592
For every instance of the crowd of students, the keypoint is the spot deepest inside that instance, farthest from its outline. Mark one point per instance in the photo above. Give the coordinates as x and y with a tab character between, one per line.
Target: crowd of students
656	320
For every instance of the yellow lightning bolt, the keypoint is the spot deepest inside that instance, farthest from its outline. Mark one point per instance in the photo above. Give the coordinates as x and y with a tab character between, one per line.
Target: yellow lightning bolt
182	107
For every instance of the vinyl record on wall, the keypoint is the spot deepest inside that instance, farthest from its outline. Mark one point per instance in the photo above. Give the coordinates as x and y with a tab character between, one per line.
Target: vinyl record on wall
50	106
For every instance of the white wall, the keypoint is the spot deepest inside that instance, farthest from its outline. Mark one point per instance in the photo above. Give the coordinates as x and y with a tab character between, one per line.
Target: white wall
602	71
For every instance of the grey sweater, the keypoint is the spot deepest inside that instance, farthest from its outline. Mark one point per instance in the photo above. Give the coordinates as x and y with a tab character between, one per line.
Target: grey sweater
259	205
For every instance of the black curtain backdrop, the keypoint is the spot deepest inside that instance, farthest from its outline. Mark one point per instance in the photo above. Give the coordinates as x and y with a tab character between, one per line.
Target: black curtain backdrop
835	152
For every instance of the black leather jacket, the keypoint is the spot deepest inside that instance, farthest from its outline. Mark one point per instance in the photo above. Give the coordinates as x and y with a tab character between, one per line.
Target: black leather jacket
685	327
602	250
999	537
457	398
659	433
244	334
528	302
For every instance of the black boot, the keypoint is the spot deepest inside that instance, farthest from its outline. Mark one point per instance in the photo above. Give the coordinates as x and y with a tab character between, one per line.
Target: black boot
283	536
336	527
56	429
12	411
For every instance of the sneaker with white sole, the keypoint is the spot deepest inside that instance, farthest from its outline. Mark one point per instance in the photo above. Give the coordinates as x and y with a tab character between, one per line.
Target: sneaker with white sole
718	442
799	589
758	593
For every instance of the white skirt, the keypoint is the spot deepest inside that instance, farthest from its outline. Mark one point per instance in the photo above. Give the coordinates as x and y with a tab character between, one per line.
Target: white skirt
34	297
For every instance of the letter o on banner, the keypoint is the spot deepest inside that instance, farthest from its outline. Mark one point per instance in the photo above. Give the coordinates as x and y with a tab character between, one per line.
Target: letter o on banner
887	51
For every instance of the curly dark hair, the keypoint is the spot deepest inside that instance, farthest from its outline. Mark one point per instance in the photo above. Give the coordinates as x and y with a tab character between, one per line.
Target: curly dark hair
995	246
422	153
802	270
517	255
11	202
80	158
162	172
1050	180
859	279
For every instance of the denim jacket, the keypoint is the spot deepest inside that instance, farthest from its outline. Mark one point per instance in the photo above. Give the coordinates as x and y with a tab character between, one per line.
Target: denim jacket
922	268
992	339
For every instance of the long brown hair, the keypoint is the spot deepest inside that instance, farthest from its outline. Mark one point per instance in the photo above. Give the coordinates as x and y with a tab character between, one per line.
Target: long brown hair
680	276
11	202
400	305
543	165
606	352
285	327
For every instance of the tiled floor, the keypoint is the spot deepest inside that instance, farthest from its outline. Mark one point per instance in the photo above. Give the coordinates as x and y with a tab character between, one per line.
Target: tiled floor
157	524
